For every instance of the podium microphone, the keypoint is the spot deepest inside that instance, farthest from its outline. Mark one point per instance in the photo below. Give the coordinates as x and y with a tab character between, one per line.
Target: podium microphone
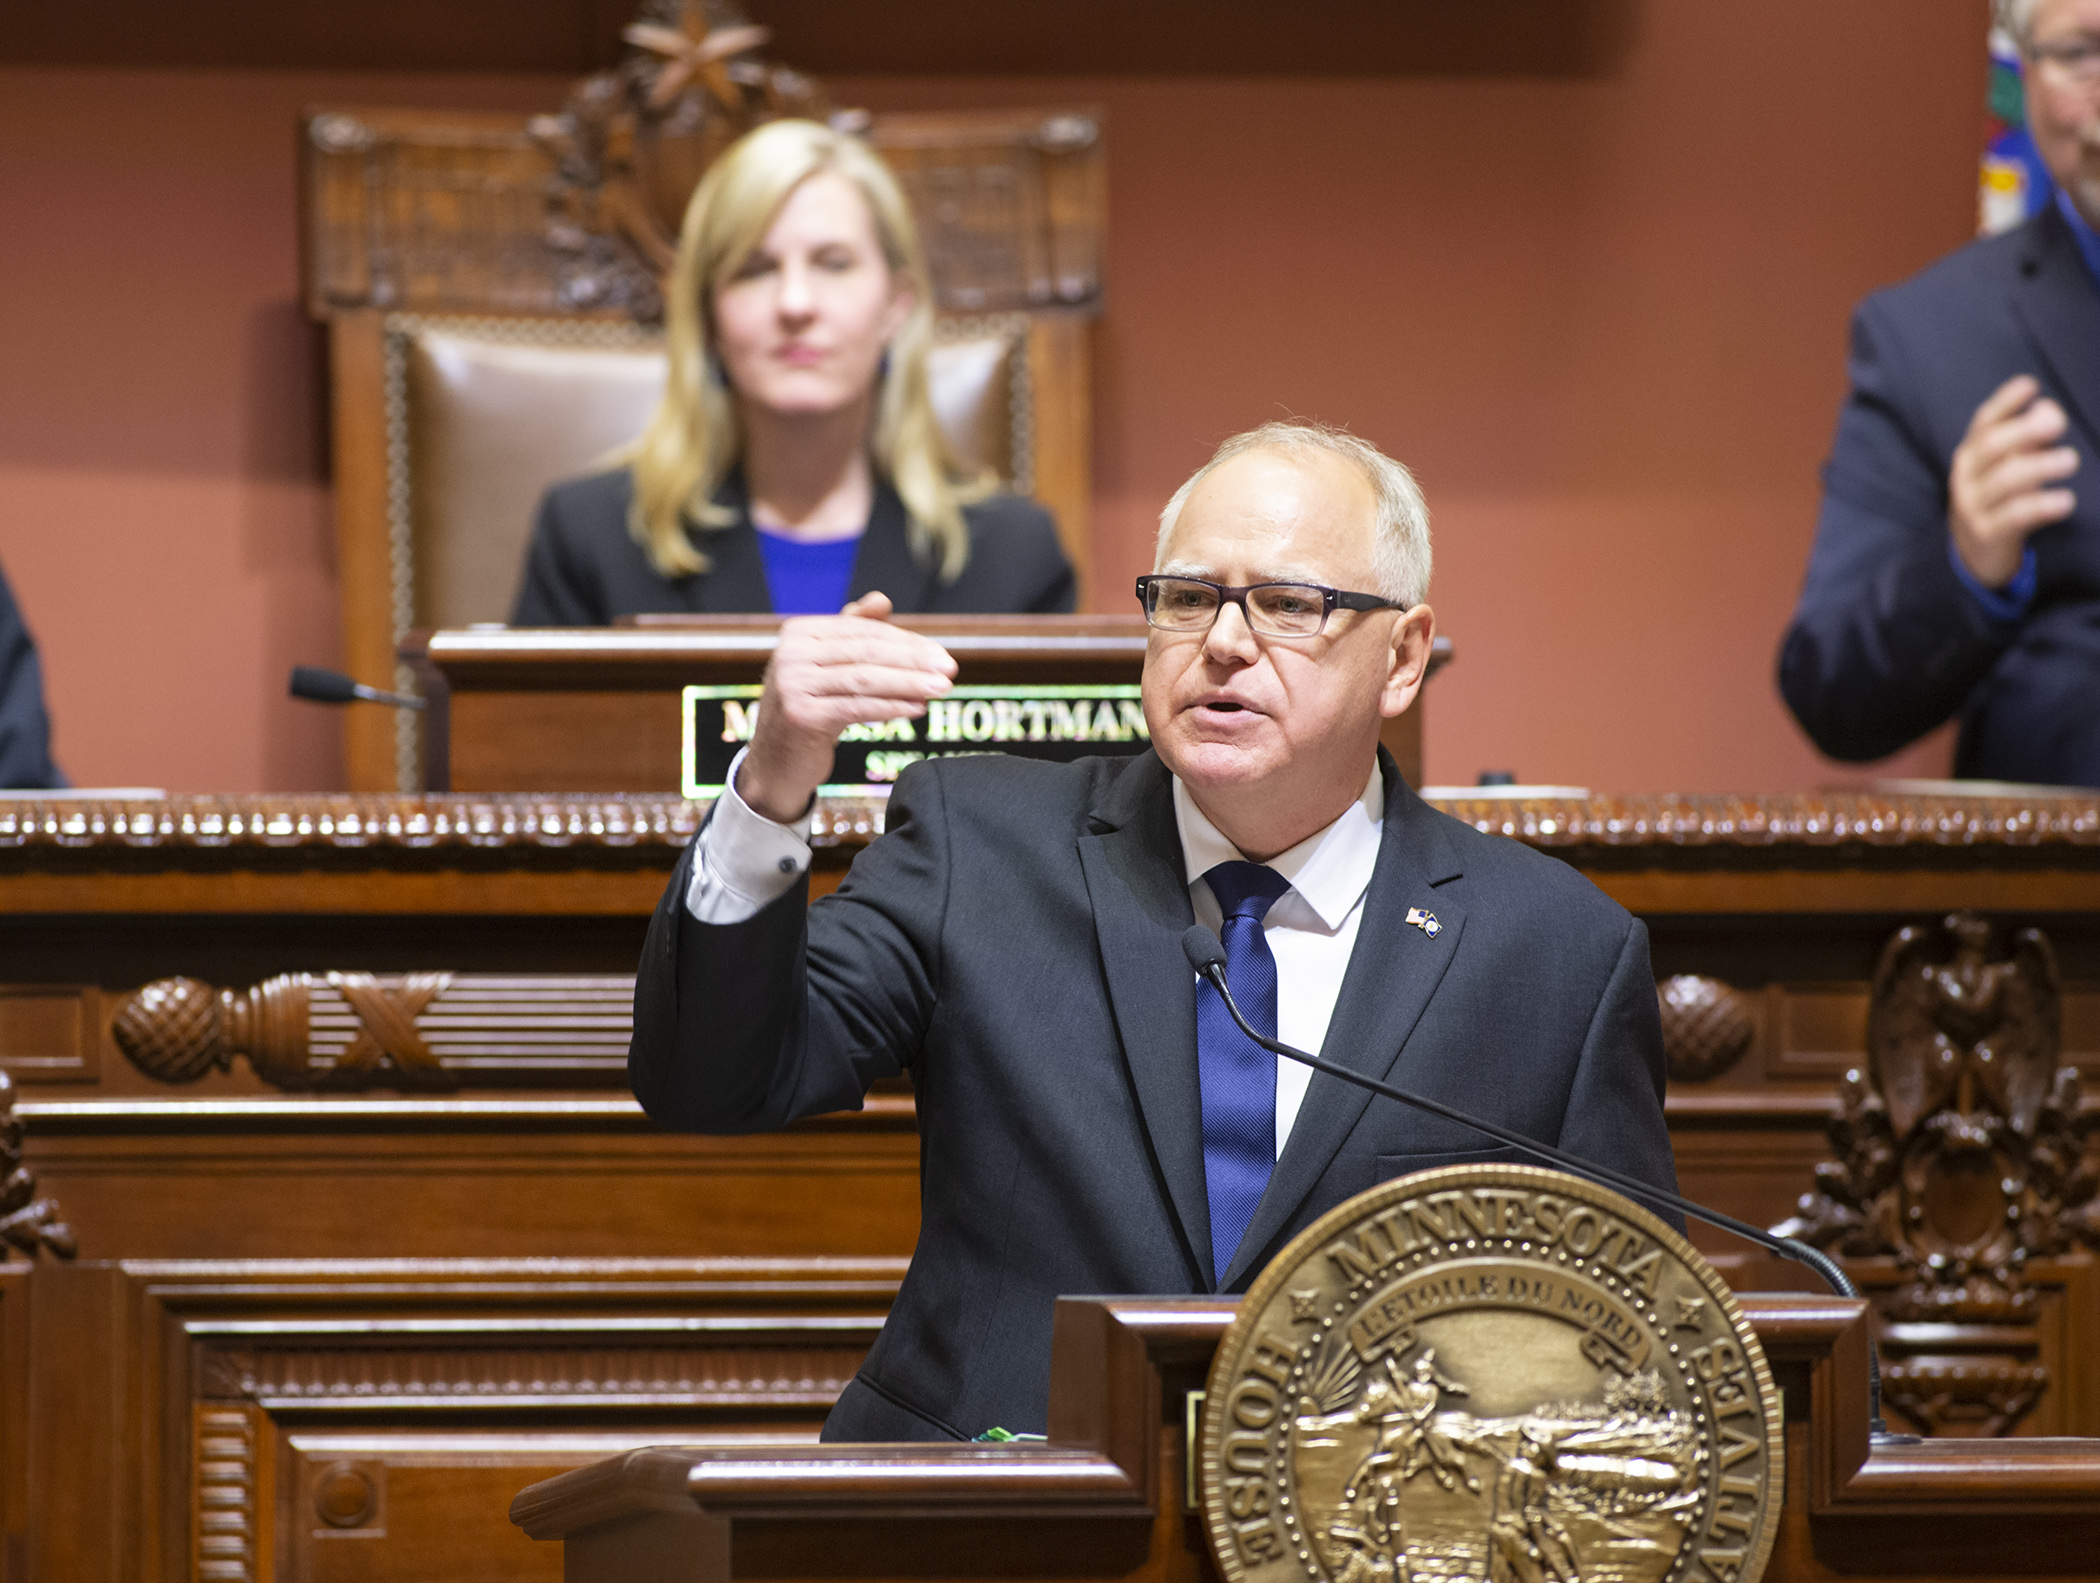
317	686
1207	957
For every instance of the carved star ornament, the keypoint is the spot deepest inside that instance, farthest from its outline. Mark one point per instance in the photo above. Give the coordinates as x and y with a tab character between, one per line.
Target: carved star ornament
694	54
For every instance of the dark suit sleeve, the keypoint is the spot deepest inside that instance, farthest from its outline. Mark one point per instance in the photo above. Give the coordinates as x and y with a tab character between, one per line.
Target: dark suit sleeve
558	588
746	1027
25	729
1055	589
1615	1109
1886	643
1017	564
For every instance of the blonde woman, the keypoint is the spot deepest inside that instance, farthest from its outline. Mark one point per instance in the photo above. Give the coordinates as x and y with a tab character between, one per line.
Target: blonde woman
794	463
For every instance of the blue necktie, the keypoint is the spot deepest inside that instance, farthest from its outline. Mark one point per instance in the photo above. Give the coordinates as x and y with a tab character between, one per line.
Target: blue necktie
1238	1077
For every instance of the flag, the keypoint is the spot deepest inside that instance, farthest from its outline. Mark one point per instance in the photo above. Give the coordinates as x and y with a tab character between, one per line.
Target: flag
2014	185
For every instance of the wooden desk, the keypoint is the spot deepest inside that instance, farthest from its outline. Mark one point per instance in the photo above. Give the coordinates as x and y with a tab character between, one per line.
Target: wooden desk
598	709
1104	1497
521	1200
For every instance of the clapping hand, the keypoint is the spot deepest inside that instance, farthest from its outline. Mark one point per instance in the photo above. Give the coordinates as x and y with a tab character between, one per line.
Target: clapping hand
2001	487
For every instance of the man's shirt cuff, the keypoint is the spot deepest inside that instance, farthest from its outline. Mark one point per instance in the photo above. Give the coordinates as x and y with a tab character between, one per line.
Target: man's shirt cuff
2007	604
743	861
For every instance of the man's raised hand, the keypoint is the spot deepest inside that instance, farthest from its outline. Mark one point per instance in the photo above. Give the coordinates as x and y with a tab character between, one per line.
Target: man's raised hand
827	673
1999	488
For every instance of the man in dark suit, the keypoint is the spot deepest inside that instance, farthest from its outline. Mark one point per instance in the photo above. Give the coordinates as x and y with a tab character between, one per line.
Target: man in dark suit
1090	1120
1955	570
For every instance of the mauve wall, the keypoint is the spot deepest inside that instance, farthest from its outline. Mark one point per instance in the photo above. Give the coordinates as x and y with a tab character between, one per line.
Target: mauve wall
1602	316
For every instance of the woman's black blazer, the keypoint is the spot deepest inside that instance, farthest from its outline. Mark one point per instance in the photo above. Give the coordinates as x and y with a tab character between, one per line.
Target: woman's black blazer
584	568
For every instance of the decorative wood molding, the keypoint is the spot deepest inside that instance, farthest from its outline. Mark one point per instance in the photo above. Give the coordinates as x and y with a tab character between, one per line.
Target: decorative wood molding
397	1374
631	144
440	1031
27	1222
1855	1508
651	1372
577	212
356	1030
351	1114
253	825
1810	819
1706	1026
349	1494
48	1032
1964	1152
650	825
224	1518
1962	1384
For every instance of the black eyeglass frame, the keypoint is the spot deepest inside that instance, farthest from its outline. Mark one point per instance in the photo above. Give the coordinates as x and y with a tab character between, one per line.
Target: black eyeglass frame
2077	58
1332	599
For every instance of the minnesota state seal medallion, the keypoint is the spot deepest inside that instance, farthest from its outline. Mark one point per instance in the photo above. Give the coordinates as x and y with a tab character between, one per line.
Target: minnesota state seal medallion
1495	1373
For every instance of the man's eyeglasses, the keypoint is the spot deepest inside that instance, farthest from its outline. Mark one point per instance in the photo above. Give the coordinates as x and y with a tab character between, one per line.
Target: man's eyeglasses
1275	610
2075	58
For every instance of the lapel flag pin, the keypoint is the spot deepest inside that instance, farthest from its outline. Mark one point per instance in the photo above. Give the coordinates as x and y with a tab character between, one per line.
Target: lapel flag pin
1425	921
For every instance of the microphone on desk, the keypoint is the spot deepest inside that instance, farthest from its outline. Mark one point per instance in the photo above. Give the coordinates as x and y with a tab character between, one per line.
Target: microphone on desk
1207	957
317	686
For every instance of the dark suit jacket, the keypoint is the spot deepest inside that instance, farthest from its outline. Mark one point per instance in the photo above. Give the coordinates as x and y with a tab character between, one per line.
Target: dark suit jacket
1887	643
1014	943
25	730
584	568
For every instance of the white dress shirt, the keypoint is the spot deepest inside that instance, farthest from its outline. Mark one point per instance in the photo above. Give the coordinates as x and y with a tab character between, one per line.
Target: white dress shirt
1311	929
744	861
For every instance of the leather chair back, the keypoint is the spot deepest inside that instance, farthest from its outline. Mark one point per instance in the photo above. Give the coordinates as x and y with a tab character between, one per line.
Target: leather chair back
483	414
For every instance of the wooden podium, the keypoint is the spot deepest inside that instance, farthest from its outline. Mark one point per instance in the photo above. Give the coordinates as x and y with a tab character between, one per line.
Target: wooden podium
256	1258
599	709
1108	1496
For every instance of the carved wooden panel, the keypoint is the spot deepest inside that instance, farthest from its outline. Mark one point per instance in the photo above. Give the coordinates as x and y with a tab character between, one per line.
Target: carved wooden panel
1010	206
99	900
229	1507
1780	831
516	1177
2067	1312
347	1030
1964	1152
1747	1154
49	1032
358	1504
692	1366
1707	1026
1808	1032
311	1420
29	1220
450	211
15	1449
1821	1030
437	1030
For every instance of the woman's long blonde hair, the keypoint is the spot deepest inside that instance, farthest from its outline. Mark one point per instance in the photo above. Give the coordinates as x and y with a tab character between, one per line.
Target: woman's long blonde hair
693	440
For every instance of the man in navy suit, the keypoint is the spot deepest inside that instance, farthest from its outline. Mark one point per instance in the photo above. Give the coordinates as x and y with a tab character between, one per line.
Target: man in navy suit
1956	569
1090	1119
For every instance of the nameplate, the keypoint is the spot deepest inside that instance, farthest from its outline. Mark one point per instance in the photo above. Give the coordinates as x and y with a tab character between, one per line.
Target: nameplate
1053	723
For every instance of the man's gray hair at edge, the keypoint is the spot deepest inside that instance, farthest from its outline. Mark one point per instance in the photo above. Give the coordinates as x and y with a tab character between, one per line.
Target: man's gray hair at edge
1400	547
2017	18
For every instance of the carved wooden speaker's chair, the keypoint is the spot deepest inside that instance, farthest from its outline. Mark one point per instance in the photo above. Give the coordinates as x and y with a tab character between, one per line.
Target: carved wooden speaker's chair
490	294
484	413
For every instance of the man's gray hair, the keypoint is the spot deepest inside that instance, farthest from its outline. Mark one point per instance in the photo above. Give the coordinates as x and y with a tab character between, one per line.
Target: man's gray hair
1400	543
2017	18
